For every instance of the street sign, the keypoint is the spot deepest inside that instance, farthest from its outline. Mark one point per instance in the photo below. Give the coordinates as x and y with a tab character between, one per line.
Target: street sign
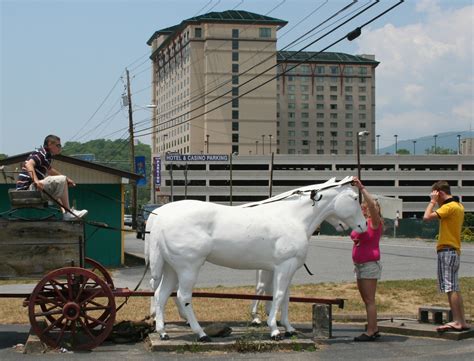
176	157
157	170
140	169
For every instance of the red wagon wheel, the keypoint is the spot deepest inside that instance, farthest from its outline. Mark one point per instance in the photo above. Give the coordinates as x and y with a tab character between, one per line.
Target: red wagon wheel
72	308
96	266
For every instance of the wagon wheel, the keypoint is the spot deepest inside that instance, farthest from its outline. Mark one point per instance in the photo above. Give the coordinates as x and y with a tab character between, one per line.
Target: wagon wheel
72	308
96	266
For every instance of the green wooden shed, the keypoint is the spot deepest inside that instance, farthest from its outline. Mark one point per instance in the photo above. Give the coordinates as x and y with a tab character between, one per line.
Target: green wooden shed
99	189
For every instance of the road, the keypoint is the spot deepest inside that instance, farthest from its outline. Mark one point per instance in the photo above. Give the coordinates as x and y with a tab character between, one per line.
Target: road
329	259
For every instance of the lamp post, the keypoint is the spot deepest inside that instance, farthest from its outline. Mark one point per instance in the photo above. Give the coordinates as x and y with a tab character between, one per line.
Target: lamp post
359	135
396	149
435	137
256	147
207	143
459	143
270	137
263	143
414	147
378	139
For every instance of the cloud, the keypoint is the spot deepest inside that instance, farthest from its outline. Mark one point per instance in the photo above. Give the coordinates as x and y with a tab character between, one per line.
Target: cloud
424	82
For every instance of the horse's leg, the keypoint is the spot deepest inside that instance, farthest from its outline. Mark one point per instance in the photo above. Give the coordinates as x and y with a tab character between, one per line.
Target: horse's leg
259	290
289	330
282	276
167	285
154	285
186	280
267	277
181	311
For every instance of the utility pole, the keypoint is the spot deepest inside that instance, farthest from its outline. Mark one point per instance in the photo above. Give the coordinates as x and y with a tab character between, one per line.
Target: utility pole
132	153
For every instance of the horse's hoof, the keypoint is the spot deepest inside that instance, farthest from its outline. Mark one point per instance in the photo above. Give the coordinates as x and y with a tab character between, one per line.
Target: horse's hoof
277	337
256	323
205	339
164	337
289	334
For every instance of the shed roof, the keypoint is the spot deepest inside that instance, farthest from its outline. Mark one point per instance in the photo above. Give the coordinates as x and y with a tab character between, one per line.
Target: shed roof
323	57
78	162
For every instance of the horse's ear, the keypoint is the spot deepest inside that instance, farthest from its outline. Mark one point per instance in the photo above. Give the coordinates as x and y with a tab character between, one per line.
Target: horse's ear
313	196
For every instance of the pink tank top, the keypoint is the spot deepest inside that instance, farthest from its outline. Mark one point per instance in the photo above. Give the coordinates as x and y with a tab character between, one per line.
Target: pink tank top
366	245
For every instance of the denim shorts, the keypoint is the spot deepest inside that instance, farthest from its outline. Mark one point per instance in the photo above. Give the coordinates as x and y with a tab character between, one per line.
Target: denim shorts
448	269
368	270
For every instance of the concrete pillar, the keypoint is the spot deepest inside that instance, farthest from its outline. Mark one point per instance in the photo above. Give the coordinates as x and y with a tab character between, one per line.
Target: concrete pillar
322	321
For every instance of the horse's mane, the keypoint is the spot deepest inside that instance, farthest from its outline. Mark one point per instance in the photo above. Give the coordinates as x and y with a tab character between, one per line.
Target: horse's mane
331	183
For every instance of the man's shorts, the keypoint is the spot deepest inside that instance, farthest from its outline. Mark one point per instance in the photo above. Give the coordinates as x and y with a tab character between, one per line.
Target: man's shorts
448	269
54	185
368	270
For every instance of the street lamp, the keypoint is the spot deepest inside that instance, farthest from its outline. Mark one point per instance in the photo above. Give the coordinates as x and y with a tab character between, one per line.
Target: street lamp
396	149
414	147
435	137
363	133
263	143
256	147
459	143
378	139
270	137
207	143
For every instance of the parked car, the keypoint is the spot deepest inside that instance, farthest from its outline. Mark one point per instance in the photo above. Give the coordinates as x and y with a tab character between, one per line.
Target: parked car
127	220
142	217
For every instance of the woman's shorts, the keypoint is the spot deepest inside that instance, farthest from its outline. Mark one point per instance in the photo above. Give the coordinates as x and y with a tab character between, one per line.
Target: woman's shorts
448	269
368	270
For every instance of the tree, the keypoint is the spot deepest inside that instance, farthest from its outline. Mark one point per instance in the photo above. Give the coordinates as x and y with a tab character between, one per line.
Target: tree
439	150
3	156
403	151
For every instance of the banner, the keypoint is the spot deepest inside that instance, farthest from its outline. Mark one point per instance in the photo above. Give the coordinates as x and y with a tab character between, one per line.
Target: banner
157	170
140	170
176	157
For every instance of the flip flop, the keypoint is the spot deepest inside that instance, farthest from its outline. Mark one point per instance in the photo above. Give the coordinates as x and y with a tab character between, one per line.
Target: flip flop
451	328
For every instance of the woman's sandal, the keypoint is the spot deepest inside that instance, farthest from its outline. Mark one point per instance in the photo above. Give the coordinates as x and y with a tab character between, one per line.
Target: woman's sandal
365	338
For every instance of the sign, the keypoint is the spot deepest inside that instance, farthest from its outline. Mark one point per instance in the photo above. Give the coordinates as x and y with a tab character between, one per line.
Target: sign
140	170
175	157
157	170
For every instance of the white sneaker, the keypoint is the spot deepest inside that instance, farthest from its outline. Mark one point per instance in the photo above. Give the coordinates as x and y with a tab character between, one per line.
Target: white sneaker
77	214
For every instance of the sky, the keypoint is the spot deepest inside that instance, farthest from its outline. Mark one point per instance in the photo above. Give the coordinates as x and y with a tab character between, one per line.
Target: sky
63	62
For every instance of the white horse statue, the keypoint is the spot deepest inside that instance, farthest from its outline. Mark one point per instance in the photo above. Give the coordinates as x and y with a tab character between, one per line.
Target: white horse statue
276	231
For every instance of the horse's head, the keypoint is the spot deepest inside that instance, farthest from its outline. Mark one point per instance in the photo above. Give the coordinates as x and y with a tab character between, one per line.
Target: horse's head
347	209
339	225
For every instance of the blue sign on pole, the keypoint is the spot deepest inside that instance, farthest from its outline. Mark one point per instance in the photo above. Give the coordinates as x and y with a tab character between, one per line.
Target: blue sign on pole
157	170
141	170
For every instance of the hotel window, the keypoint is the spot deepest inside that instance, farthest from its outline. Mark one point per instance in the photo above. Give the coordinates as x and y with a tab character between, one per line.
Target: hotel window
235	137
304	88
235	149
235	114
348	115
362	116
291	142
291	88
349	143
349	134
265	32
291	124
333	106
235	91
362	70
333	97
291	115
235	103
333	115
305	124
349	106
197	32
319	106
361	106
334	69
319	79
291	78
333	125
235	56
291	106
291	97
319	125
334	79
320	88
348	70
235	79
304	79
348	98
235	44
235	68
291	151
320	134
235	126
235	33
319	97
362	98
362	89
320	115
362	125
291	133
304	69
333	88
304	133
362	80
304	97
305	106
320	70
348	89
348	80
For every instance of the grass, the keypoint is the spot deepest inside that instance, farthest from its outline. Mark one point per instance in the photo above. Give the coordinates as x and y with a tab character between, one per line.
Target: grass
393	297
